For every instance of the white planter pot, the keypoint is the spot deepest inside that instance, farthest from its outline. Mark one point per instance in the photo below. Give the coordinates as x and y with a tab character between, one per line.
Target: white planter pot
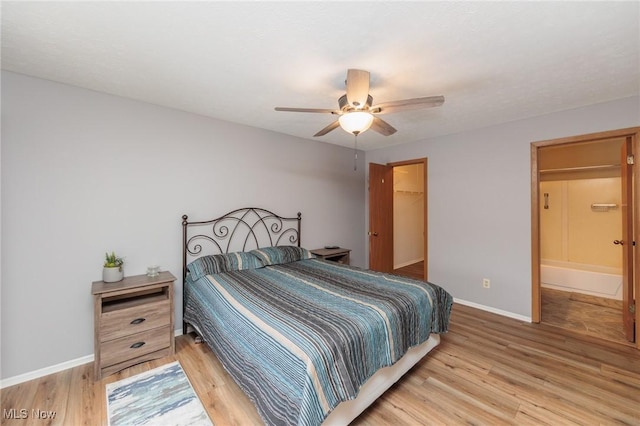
112	275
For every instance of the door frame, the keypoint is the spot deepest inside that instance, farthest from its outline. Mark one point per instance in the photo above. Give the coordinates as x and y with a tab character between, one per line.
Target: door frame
424	161
634	133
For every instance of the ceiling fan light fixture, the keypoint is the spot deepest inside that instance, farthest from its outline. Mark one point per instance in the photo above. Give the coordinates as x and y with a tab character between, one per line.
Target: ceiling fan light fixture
356	110
355	122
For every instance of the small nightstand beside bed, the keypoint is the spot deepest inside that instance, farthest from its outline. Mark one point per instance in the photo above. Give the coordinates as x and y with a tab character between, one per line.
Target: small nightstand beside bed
307	339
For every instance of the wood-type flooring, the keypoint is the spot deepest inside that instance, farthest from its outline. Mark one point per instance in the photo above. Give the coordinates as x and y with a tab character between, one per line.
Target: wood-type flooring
595	316
488	369
415	271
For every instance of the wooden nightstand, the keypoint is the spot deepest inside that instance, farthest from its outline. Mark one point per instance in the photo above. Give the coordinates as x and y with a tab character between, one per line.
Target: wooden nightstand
133	322
340	255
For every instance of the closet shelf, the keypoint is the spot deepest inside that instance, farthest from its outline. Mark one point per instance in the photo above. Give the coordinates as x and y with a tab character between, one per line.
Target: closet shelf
579	169
402	191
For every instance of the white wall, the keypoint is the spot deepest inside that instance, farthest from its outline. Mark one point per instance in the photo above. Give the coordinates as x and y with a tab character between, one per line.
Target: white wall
85	172
479	190
408	215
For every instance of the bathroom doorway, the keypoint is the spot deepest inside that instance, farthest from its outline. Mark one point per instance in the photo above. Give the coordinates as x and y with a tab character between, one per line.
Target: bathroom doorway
580	214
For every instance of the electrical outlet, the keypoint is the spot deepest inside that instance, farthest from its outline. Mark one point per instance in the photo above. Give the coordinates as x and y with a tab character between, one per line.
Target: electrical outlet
486	283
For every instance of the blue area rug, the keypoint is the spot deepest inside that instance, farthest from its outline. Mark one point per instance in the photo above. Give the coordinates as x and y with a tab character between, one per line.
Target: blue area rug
162	396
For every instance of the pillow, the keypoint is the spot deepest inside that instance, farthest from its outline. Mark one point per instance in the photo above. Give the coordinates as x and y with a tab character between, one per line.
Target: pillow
281	254
217	263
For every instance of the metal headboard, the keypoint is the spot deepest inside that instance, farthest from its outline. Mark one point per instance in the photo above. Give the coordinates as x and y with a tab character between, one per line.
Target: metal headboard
239	230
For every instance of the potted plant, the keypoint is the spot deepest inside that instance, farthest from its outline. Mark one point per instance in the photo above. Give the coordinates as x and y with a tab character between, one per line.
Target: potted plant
112	271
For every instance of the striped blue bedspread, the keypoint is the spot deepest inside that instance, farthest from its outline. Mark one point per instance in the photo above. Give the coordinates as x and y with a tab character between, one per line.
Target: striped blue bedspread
300	338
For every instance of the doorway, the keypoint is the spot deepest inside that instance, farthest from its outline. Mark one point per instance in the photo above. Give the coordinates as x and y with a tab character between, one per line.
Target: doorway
408	220
398	218
582	211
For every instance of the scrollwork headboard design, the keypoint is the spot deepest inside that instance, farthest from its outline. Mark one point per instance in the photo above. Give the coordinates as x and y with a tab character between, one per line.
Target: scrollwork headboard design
239	230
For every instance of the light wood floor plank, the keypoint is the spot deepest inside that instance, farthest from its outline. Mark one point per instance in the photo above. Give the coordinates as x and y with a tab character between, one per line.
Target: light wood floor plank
465	383
487	370
592	315
600	385
415	271
81	404
461	407
532	414
621	376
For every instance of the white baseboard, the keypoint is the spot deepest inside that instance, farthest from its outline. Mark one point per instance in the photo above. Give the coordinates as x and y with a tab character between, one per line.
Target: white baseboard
21	378
45	371
493	310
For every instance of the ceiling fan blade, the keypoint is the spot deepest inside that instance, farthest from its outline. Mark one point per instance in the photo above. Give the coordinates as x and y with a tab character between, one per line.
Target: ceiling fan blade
328	111
382	127
329	128
357	87
407	104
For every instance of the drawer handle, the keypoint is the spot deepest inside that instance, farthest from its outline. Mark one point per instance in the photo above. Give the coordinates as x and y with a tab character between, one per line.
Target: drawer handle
138	321
137	345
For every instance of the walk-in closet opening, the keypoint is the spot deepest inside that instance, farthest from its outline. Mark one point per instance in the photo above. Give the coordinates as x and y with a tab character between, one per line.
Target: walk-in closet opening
408	220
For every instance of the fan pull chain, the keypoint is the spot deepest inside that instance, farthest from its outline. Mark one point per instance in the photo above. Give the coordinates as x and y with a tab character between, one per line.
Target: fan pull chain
355	151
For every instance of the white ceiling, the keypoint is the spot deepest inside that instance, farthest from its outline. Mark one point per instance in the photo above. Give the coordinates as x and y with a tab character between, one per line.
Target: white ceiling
493	61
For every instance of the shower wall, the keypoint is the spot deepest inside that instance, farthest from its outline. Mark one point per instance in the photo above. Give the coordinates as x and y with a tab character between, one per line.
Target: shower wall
577	234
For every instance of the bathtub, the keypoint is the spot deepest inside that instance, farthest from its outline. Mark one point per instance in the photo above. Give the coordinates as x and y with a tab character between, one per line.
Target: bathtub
594	280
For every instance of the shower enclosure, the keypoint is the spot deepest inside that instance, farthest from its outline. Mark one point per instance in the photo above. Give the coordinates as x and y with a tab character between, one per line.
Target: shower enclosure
579	221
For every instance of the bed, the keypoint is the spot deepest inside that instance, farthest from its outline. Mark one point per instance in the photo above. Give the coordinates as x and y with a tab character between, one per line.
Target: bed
309	341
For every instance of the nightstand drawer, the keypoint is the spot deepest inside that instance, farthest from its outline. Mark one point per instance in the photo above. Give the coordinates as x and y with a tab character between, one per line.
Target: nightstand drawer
135	345
132	320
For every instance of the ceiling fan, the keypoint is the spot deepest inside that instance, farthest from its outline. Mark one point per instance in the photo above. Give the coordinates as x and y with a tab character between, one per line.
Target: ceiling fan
357	113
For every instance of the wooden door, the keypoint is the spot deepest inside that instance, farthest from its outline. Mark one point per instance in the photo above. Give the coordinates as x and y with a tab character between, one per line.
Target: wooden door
626	242
380	217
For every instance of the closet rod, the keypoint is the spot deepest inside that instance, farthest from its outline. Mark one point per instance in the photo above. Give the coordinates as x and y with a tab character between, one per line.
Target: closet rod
403	191
577	169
